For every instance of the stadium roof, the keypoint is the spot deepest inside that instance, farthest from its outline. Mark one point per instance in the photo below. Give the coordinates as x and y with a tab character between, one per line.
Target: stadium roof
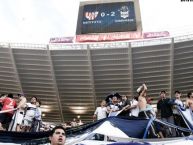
71	79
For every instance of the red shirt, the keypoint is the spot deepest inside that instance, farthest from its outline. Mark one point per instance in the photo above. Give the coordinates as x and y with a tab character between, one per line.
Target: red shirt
8	103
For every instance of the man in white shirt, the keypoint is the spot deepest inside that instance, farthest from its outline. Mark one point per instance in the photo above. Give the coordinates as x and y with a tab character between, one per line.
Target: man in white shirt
177	102
37	121
29	114
101	112
134	109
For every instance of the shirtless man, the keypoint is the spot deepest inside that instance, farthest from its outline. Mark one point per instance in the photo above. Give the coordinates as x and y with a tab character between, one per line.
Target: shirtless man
144	110
142	103
189	100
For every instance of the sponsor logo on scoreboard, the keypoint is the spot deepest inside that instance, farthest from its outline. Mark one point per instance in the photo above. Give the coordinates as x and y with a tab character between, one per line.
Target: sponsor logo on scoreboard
91	15
124	12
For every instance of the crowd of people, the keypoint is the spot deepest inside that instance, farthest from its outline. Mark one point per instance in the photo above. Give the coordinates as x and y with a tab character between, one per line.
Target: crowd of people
141	106
20	115
16	114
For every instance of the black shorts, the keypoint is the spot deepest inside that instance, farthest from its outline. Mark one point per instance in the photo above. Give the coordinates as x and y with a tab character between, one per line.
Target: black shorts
145	114
5	118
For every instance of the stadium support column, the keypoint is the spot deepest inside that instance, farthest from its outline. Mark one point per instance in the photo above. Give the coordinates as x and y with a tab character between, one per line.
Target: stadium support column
55	84
91	74
171	66
130	67
15	69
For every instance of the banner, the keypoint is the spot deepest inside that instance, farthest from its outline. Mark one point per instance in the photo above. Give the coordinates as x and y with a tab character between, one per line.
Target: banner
62	40
119	36
147	35
24	138
5	111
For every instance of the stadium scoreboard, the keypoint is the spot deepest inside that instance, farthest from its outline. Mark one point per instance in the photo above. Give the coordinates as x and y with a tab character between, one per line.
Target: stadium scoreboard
108	20
108	17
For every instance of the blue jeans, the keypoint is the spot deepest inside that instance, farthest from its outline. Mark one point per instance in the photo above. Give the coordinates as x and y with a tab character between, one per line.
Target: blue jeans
169	132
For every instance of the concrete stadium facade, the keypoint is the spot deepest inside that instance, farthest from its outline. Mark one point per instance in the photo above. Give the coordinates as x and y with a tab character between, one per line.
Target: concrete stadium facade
71	79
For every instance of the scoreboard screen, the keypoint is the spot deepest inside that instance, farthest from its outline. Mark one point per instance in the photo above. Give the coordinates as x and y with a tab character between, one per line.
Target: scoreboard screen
108	17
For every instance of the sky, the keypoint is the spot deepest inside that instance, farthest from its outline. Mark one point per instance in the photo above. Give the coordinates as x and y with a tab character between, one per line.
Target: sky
36	21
